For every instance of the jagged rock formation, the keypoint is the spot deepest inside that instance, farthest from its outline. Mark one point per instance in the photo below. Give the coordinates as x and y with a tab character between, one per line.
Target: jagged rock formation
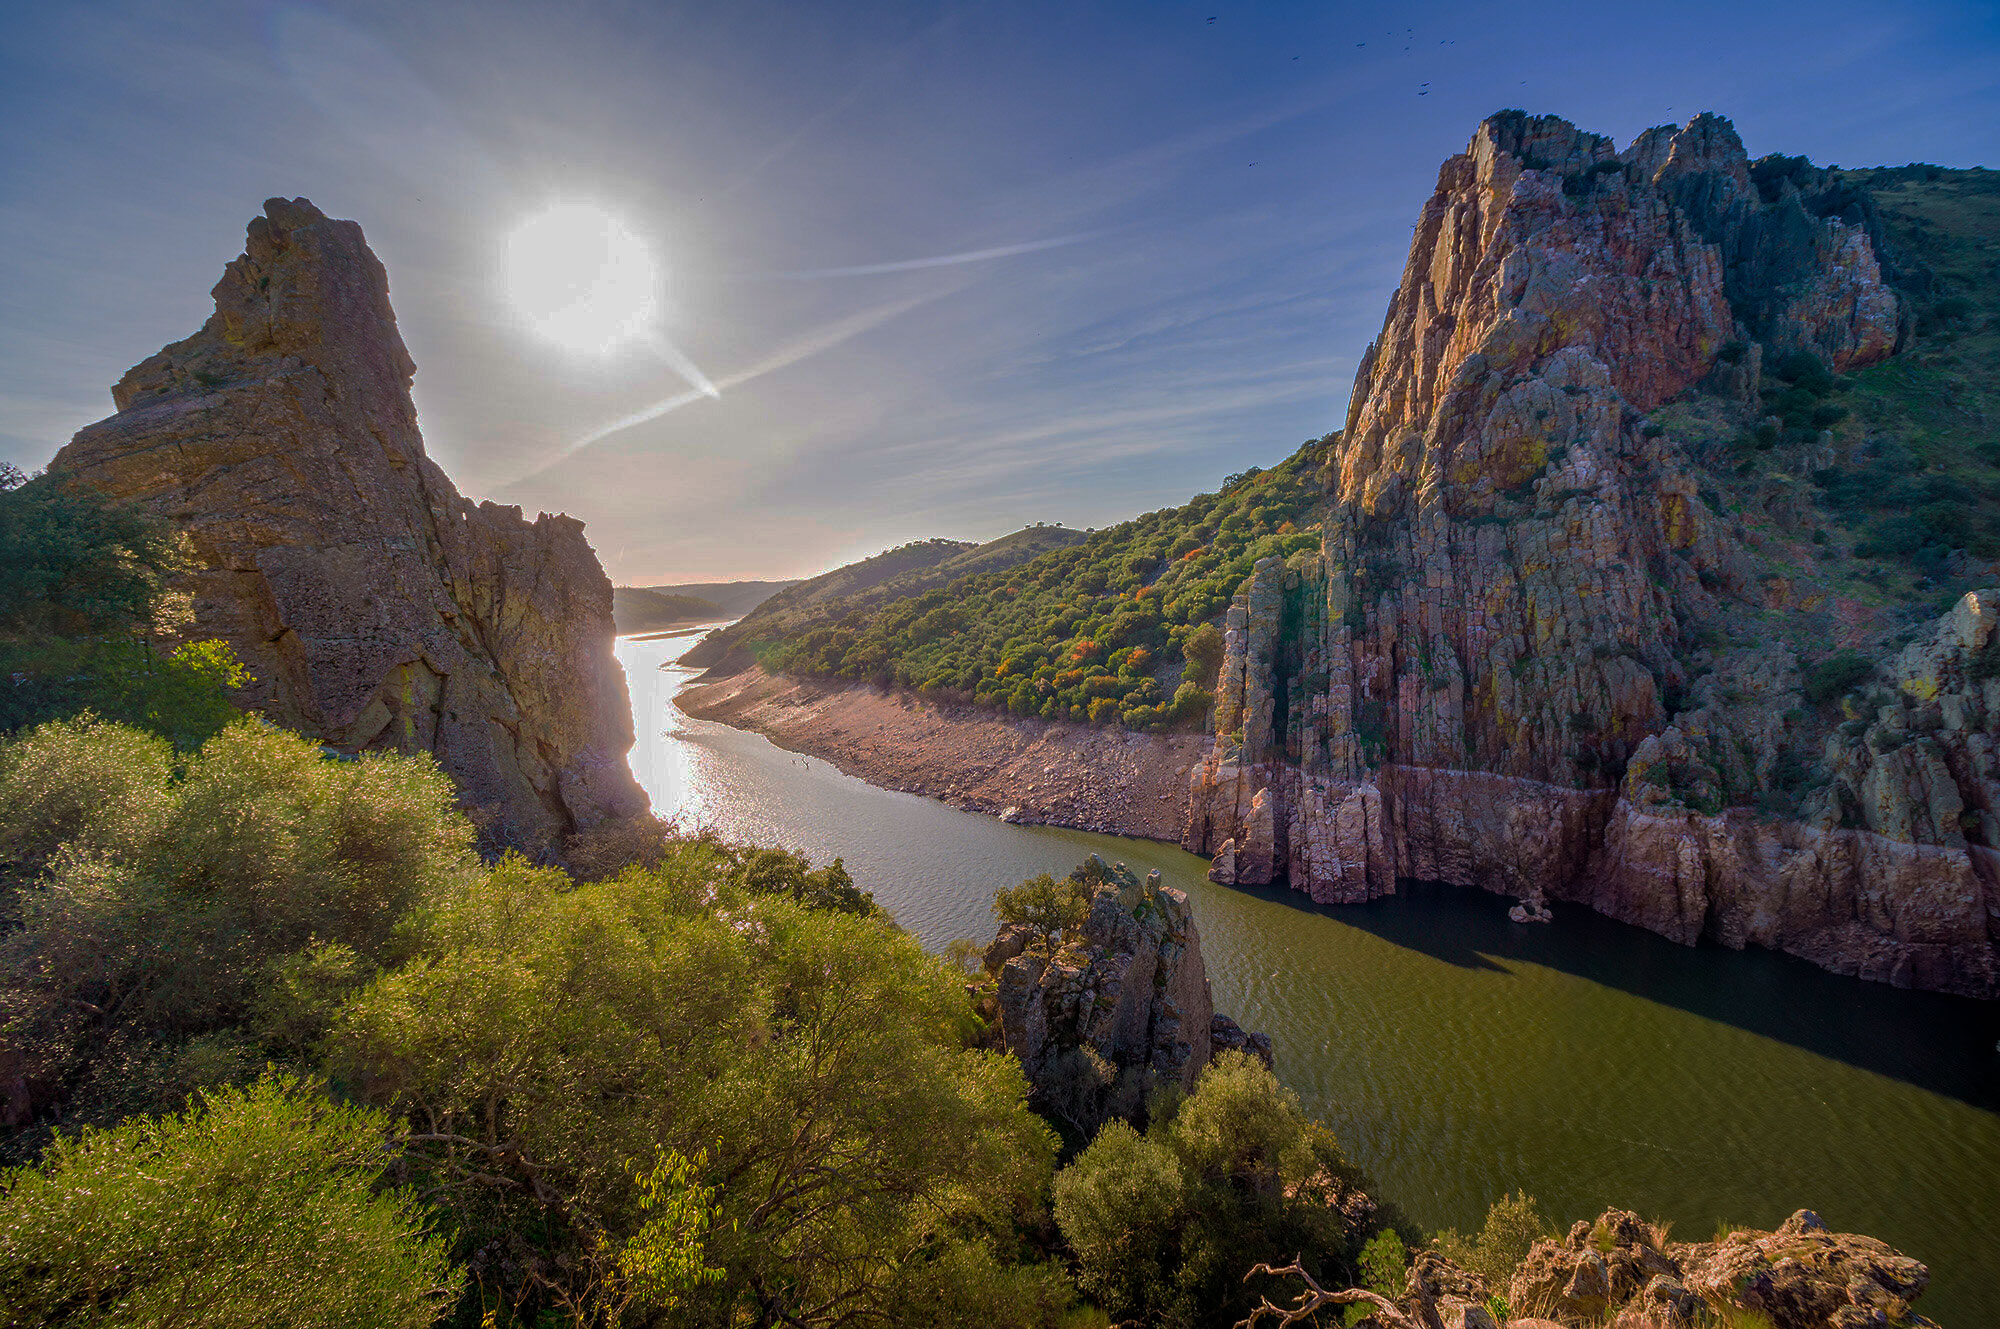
1114	1007
375	606
1523	658
1801	1276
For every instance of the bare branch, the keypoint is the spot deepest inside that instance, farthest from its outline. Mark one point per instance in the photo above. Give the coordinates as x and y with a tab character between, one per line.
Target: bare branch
1316	1298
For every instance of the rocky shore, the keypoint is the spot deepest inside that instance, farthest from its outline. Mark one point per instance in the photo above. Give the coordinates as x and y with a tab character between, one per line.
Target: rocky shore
1029	771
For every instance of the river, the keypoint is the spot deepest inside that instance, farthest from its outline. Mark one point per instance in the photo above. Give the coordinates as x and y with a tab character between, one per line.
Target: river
1458	1055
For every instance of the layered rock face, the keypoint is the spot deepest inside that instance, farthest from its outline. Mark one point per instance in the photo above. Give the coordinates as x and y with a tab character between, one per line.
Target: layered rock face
1518	661
1119	1007
376	607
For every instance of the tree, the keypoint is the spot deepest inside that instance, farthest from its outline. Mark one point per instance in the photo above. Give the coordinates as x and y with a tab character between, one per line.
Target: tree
158	905
1238	1170
72	563
1049	905
82	591
1204	649
547	1039
254	1207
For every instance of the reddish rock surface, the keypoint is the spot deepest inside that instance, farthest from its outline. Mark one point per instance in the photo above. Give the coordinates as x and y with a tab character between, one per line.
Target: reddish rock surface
375	606
1539	652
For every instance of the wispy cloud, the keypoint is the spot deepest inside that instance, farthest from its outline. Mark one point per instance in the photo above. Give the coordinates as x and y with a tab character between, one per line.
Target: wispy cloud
805	347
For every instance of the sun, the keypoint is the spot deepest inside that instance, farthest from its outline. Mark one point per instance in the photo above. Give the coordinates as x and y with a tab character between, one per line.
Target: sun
582	279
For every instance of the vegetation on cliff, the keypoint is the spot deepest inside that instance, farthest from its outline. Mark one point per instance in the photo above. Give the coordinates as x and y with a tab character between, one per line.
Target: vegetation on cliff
1092	633
83	602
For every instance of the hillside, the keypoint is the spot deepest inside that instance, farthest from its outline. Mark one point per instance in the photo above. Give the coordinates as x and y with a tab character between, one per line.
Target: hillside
733	599
856	588
639	609
1094	631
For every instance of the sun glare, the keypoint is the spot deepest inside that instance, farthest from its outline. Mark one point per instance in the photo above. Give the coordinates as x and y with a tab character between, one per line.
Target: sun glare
582	279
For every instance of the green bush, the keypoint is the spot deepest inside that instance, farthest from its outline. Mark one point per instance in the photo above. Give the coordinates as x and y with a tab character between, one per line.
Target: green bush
1049	906
72	564
1836	676
1164	1224
155	897
1514	1223
255	1207
547	1039
82	591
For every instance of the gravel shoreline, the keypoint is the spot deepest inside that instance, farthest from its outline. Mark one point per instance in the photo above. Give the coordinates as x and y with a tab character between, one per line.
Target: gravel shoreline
1032	771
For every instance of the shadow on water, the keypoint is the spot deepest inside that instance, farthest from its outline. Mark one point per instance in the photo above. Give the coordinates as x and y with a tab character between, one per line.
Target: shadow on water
1864	1024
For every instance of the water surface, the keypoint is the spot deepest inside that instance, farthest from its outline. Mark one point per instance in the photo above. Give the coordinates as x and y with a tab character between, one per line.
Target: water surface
1459	1055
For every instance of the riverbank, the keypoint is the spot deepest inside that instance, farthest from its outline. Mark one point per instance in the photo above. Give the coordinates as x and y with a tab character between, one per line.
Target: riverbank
1035	771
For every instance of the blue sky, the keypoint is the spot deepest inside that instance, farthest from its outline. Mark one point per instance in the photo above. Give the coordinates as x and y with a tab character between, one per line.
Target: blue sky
1203	210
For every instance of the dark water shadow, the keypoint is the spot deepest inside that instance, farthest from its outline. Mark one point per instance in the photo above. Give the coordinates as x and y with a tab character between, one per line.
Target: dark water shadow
1937	1042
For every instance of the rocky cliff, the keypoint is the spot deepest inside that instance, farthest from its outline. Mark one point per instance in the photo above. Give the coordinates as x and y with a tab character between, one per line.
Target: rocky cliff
1103	1014
375	606
1567	628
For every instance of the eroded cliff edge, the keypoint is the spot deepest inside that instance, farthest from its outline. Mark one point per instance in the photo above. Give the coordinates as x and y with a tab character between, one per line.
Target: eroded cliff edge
376	607
1541	649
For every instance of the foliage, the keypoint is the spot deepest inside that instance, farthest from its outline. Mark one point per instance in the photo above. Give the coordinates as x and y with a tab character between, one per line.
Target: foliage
1836	676
74	564
664	1261
1923	478
182	694
1093	632
1383	1264
1164	1224
175	918
254	1207
82	587
546	1039
1050	906
1514	1223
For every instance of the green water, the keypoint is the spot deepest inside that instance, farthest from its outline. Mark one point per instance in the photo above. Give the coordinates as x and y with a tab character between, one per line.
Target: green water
1459	1055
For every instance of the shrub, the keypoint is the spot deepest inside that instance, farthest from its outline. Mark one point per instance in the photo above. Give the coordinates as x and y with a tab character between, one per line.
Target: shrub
1836	676
1049	906
546	1040
1514	1223
166	895
254	1207
1203	649
1164	1224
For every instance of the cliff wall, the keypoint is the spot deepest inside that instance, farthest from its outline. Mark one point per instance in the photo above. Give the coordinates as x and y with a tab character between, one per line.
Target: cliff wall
1555	638
375	606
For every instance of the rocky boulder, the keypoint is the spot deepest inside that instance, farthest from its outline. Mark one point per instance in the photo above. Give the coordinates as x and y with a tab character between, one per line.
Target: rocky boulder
1799	1277
1101	1015
376	608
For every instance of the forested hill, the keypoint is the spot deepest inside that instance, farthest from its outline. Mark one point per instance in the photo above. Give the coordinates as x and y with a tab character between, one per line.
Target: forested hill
857	588
1098	630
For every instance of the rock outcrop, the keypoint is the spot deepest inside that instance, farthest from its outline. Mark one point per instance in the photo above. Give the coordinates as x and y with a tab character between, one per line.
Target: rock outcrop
1542	651
1104	1013
376	608
1801	1276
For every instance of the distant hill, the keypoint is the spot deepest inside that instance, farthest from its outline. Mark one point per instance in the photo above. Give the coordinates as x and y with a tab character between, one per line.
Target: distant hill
854	588
642	609
733	599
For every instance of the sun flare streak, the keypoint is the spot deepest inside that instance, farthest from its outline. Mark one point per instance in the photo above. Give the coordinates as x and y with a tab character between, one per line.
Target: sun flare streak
817	342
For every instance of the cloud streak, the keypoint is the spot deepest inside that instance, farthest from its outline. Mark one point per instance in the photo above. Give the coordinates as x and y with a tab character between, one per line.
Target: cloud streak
816	342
